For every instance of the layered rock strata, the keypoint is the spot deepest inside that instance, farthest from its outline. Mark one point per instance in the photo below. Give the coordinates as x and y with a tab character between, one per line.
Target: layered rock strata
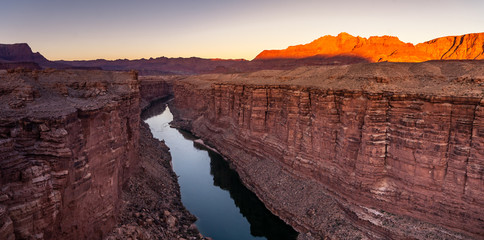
68	140
381	151
153	88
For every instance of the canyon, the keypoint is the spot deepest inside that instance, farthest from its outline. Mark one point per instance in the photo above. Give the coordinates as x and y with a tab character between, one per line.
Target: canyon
335	145
379	151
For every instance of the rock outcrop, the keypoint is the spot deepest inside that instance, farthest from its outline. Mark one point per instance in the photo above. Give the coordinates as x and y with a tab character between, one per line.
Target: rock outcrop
385	48
68	140
21	55
385	151
19	52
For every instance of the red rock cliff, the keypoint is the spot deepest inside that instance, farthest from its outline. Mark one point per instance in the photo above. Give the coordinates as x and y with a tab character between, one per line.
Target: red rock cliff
67	142
386	151
153	88
386	48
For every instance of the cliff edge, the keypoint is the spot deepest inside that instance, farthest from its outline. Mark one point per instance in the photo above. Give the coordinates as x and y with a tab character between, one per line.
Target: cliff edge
68	140
379	151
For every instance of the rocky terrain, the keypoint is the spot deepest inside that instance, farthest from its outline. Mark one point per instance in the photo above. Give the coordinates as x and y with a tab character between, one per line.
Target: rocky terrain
68	140
385	48
70	165
379	151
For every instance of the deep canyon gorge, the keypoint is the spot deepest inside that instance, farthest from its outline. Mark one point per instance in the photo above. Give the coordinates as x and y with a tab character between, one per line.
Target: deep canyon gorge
390	150
338	151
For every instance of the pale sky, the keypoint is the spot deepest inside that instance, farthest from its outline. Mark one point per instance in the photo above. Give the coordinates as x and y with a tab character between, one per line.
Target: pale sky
112	29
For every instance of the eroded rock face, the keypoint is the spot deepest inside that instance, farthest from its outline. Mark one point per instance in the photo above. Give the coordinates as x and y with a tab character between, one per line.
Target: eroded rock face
153	88
67	142
368	150
386	48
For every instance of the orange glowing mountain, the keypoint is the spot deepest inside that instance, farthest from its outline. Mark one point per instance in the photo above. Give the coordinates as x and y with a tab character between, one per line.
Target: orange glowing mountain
385	48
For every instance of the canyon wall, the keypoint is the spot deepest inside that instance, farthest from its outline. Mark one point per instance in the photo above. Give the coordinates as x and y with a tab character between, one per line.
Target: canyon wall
381	151
153	88
67	142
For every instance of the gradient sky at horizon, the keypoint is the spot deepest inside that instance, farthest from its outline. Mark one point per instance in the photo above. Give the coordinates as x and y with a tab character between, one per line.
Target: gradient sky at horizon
112	29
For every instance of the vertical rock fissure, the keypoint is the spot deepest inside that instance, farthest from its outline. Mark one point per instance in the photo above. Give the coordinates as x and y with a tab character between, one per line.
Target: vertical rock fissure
387	140
251	106
241	106
311	130
457	47
448	142
309	98
336	107
232	104
470	146
267	108
361	126
129	130
453	44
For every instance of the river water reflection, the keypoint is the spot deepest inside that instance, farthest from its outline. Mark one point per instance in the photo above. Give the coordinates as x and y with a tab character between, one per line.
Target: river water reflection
210	190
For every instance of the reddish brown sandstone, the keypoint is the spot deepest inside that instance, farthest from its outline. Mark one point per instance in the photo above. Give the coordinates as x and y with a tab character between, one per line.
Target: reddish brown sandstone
153	88
67	142
368	150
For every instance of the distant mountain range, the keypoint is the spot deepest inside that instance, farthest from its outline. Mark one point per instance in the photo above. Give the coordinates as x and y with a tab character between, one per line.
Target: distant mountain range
327	50
190	66
386	48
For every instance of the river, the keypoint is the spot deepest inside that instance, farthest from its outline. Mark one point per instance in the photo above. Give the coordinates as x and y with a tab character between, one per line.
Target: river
226	209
